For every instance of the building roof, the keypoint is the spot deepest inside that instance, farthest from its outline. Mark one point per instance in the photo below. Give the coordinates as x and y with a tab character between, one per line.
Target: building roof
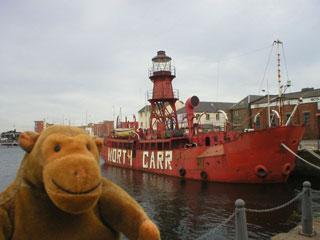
304	93
148	107
244	103
145	108
209	107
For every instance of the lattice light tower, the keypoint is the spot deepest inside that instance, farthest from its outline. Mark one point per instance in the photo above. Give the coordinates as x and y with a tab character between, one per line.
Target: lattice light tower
161	74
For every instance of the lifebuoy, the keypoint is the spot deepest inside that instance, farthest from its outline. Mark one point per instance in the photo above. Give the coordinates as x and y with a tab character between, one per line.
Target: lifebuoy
286	169
182	172
204	175
261	171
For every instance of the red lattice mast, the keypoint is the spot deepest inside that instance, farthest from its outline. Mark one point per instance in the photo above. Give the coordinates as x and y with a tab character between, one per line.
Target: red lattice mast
161	74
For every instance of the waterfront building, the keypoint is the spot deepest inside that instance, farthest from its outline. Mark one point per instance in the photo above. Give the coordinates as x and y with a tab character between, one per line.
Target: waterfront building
39	126
240	113
106	128
88	129
208	115
145	112
307	112
101	129
144	116
252	112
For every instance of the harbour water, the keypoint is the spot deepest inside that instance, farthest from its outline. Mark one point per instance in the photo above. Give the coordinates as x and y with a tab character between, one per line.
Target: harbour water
187	209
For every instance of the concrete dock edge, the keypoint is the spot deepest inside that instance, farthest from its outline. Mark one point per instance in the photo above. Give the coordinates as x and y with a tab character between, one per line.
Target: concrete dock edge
294	233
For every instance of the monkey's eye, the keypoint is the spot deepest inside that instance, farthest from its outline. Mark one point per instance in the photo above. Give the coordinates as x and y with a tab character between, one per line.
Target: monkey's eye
57	148
88	147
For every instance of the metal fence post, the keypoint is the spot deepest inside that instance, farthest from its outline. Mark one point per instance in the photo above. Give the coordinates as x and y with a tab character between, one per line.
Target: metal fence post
241	221
307	228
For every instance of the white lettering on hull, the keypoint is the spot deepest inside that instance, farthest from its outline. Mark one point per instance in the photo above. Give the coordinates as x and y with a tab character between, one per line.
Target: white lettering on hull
150	160
120	156
144	156
156	163
114	154
159	159
168	160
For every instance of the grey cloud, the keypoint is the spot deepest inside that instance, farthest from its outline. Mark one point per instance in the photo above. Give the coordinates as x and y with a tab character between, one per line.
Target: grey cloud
64	60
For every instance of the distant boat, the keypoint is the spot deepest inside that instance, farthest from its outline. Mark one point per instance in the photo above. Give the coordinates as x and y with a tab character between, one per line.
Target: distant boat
219	156
10	138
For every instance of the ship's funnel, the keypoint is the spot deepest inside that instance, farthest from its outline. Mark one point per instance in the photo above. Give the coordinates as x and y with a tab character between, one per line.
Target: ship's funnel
192	103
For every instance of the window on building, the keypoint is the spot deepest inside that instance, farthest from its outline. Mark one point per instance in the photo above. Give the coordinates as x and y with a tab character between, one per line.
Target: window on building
258	122
306	117
217	116
207	116
288	115
141	124
273	121
236	113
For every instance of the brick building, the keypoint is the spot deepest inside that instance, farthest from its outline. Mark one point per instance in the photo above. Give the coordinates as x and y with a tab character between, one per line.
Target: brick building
39	126
307	112
102	129
240	113
97	129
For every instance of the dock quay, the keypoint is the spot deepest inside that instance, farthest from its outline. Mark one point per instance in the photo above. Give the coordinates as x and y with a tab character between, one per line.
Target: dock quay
308	150
308	228
313	145
10	144
294	234
304	169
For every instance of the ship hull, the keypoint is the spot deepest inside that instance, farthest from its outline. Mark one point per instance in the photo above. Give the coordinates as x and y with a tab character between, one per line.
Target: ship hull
252	157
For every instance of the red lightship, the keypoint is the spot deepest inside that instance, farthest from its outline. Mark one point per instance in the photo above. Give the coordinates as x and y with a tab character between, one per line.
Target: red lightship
224	156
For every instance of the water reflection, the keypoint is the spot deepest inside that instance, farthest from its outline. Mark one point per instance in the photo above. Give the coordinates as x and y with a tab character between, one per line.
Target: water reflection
187	209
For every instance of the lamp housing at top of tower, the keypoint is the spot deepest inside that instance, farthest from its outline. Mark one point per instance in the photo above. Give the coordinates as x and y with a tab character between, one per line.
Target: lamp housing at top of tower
162	64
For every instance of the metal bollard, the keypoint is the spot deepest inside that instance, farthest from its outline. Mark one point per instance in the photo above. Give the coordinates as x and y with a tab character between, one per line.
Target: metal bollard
241	221
307	228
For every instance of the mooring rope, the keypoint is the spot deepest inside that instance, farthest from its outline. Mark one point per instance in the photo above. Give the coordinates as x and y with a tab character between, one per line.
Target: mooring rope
310	151
284	146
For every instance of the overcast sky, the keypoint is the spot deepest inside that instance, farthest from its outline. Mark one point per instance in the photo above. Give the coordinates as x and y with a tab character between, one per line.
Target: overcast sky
81	61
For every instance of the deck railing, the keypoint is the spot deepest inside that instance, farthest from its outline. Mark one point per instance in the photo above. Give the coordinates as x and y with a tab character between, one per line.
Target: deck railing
149	94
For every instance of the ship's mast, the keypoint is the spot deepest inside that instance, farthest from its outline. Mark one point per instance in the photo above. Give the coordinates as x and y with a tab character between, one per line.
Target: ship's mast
277	42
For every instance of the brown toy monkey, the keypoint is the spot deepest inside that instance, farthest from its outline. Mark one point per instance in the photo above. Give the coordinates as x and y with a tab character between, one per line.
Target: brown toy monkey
59	193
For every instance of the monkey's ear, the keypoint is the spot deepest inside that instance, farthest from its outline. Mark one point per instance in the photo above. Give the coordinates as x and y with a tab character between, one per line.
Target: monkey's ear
99	143
27	140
